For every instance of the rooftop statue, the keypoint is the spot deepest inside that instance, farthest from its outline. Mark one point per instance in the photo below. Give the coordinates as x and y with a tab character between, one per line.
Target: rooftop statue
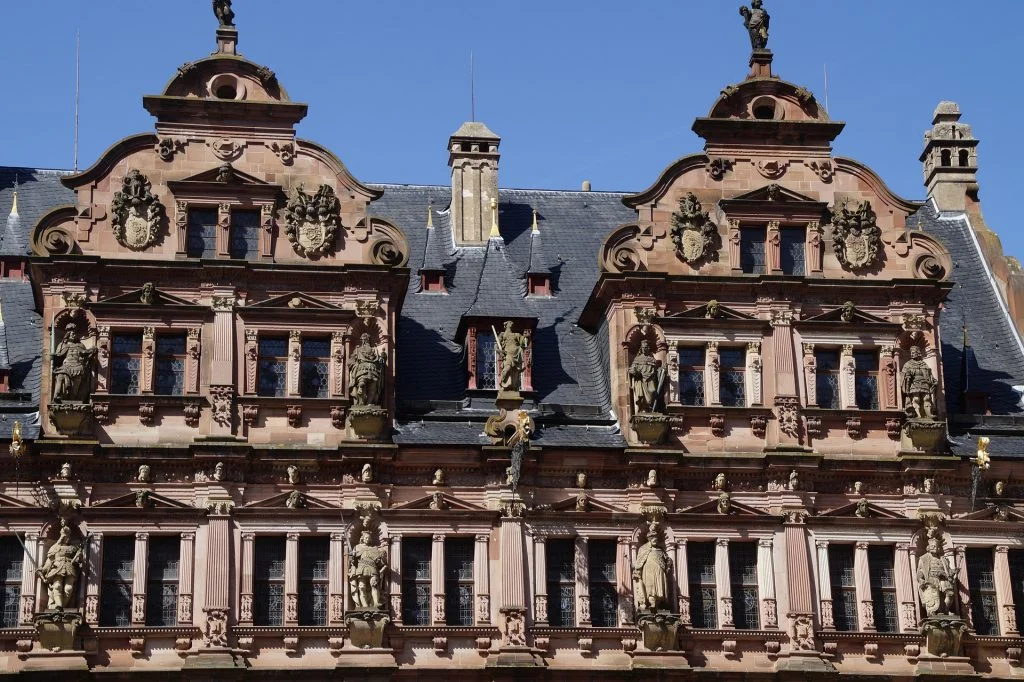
71	377
756	19
60	570
222	10
918	386
365	373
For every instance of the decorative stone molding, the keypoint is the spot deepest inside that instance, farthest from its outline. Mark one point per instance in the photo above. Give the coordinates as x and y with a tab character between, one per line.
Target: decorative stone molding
717	422
893	427
781	318
101	413
867	615
193	345
717	167
787	411
540	608
823	169
223	304
338	416
147	413
827	620
136	213
167	147
285	151
758	425
802	631
312	222
692	231
250	414
215	631
814	252
856	238
191	410
753	363
769	613
222	397
294	413
772	169
853	427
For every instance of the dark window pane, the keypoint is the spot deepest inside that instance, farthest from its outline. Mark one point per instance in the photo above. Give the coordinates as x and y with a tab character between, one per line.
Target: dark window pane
844	591
314	557
268	581
273	367
202	233
601	556
981	579
881	563
561	581
125	363
416	581
458	581
866	385
752	250
700	562
1016	559
244	242
162	580
116	590
732	384
170	364
485	360
743	581
792	250
827	378
314	377
11	563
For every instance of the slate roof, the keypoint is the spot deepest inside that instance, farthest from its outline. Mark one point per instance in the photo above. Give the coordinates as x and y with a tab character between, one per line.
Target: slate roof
39	191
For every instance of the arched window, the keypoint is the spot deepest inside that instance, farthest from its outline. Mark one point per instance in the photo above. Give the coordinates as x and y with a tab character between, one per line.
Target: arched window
965	157
945	158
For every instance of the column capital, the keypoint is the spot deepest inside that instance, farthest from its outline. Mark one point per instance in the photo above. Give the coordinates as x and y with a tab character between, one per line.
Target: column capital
861	545
340	537
188	536
248	537
142	535
33	537
902	546
483	537
438	537
722	542
765	542
821	544
292	537
1002	549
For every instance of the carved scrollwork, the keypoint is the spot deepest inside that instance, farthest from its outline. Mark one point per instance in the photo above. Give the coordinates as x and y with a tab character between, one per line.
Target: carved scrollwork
692	232
856	238
136	212
386	252
716	168
312	222
167	147
56	241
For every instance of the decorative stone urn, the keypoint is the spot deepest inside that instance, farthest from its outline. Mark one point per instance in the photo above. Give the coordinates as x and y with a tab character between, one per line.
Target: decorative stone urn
368	421
57	629
943	634
650	427
366	628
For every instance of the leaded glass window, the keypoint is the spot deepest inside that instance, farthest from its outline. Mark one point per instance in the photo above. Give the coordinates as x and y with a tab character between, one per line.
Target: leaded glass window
561	581
314	559
752	250
881	565
691	375
981	579
268	581
700	564
485	360
201	233
732	378
416	581
826	380
272	373
601	574
125	363
866	379
314	377
1016	560
170	364
116	588
12	559
244	239
792	252
743	583
458	581
844	587
162	580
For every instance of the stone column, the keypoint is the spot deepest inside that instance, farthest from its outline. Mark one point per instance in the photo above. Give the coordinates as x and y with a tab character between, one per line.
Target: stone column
773	246
824	586
682	582
713	375
862	576
905	588
798	574
847	379
218	579
723	585
814	255
291	579
1004	591
624	578
582	581
186	571
787	405
248	568
222	367
395	575
294	361
336	579
437	579
482	578
30	560
887	393
148	360
766	584
139	574
754	396
513	582
540	583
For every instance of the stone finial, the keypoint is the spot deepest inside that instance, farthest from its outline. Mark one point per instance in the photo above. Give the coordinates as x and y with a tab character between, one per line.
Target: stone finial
947	110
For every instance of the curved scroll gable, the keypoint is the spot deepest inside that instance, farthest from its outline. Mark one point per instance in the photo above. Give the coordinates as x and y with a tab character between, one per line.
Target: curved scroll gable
931	260
388	245
194	79
876	184
347	180
789	101
665	181
54	233
622	251
113	155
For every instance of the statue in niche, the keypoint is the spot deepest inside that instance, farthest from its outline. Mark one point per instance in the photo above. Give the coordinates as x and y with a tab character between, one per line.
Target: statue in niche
222	10
365	373
512	353
935	581
366	573
60	570
144	474
650	573
756	20
646	380
918	386
73	363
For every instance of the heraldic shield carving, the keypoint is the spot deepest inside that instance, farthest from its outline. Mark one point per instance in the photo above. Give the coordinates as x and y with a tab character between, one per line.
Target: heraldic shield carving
693	232
136	212
312	222
856	238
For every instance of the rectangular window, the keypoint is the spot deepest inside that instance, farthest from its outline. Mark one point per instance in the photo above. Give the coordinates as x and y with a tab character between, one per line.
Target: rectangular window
881	565
201	233
125	363
844	587
866	379
1016	560
268	581
743	582
732	377
314	558
458	581
162	580
272	373
826	379
416	581
116	588
700	564
244	237
792	252
601	574
981	579
170	364
485	360
561	581
314	376
12	560
752	250
691	375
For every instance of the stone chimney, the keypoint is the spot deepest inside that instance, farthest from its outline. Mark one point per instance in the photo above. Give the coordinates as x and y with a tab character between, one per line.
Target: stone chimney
950	160
473	157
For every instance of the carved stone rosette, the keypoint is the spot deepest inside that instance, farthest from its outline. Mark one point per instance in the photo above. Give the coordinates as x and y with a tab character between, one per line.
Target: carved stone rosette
136	213
312	222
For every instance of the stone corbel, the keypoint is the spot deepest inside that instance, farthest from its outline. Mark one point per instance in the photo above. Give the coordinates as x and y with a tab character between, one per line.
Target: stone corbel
754	373
294	413
847	378
103	359
181	227
713	374
250	414
853	426
147	413
251	360
338	387
814	252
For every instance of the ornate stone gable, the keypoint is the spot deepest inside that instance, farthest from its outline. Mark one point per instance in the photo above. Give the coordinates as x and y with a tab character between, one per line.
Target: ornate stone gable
692	232
312	222
856	238
136	213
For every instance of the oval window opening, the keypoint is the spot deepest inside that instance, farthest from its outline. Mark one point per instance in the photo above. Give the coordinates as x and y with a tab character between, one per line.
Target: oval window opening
764	112
226	92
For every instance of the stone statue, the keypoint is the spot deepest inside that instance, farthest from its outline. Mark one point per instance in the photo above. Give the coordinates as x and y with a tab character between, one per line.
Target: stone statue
293	474
646	380
218	472
366	573
719	483
1000	488
143	476
71	376
650	573
60	570
65	472
511	352
146	295
794	481
918	386
858	487
724	503
437	502
366	474
713	310
756	19
225	15
438	477
935	581
365	373
929	486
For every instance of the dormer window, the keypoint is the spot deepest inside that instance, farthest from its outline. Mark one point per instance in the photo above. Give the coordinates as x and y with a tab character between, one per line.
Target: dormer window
486	361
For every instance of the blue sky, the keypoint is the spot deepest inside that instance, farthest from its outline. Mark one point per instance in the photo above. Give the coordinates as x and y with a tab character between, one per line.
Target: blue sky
598	90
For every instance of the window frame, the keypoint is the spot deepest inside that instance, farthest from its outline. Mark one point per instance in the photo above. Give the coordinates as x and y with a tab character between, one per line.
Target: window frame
309	581
190	236
561	584
821	371
841	589
114	583
11	554
251	241
862	374
264	611
739	369
262	358
455	612
980	594
698	371
739	583
159	358
699	583
309	359
155	586
117	356
745	239
599	583
882	591
791	230
412	582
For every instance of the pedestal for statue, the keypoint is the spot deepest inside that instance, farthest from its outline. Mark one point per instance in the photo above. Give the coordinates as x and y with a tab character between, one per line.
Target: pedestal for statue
942	634
923	435
368	658
57	633
368	421
71	419
650	427
660	642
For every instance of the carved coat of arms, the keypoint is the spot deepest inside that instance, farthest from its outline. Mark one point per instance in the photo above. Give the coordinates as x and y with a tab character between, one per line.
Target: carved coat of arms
856	238
692	232
136	212
312	222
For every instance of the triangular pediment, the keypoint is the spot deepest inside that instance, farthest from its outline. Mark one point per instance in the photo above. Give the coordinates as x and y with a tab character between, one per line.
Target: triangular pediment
7	502
710	508
281	501
143	297
701	313
774	193
593	505
293	301
448	503
869	511
994	513
858	317
225	174
140	499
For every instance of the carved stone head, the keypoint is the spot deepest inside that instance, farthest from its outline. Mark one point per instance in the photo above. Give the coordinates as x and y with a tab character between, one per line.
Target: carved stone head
65	471
862	508
724	503
652	478
143	475
858	487
293	474
1000	488
366	475
581	479
929	486
218	471
439	477
719	483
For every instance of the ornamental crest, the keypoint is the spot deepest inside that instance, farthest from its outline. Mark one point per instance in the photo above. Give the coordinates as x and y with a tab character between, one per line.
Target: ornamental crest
856	238
136	212
692	230
312	222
